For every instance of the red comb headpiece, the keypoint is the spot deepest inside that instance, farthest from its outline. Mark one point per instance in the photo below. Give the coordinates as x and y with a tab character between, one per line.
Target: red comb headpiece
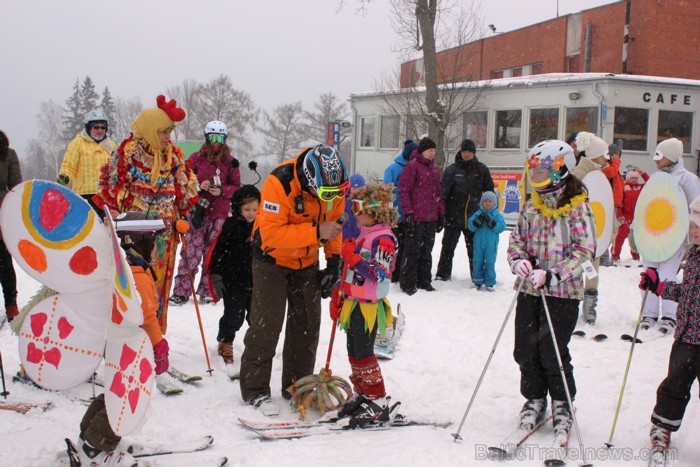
170	107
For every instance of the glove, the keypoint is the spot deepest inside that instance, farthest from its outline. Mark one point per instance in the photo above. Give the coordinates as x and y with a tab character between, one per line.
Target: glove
217	283
650	281
329	276
522	268
440	224
478	221
491	223
197	216
160	356
541	278
63	179
336	303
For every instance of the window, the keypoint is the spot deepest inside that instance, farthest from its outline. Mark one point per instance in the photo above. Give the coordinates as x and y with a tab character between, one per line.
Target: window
674	124
631	128
544	124
516	71
497	74
367	135
507	131
474	127
536	69
581	119
416	125
389	132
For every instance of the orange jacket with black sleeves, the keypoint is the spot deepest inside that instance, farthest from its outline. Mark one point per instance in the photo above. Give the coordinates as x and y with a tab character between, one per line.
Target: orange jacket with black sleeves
284	233
146	288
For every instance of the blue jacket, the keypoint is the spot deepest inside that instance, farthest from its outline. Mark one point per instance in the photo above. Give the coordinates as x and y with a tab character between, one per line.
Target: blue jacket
486	246
391	175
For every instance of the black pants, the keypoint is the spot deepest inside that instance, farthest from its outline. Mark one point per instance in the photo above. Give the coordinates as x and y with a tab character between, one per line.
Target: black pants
400	238
360	343
236	309
450	238
8	279
673	394
419	238
534	350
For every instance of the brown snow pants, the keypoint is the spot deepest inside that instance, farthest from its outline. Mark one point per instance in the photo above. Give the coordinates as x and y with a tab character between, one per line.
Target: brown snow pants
95	426
275	289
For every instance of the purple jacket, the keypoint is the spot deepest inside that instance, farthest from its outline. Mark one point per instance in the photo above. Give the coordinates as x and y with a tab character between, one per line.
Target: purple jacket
229	175
419	189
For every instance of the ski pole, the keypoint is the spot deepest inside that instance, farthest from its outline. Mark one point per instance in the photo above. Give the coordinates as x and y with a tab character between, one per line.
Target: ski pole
563	377
456	435
627	369
196	303
4	392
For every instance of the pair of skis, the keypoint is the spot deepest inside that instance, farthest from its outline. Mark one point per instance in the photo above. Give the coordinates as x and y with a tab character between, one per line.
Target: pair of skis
23	407
143	453
556	456
167	387
297	429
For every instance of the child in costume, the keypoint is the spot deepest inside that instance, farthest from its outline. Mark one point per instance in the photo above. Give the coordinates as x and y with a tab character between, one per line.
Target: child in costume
230	268
669	158
487	223
98	444
673	394
359	302
634	182
553	238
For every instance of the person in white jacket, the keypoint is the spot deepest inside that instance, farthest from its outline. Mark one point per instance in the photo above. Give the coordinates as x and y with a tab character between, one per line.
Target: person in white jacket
669	158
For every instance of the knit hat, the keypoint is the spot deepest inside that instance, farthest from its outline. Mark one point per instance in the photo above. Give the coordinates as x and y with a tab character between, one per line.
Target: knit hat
634	174
613	148
695	211
592	145
490	195
425	144
468	145
671	149
357	181
572	137
408	147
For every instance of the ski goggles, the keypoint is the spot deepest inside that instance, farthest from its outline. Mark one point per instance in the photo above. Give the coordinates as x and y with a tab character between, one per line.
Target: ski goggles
359	206
329	193
214	138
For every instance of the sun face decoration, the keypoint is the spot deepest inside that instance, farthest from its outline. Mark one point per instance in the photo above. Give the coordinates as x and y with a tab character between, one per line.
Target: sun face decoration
661	218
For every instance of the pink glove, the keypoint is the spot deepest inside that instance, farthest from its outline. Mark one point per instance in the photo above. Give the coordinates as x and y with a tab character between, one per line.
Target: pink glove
538	277
522	268
160	356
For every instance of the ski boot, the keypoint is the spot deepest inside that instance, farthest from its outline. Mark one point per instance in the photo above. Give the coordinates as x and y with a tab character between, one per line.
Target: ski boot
660	441
375	412
178	300
532	413
647	322
93	457
667	326
561	420
590	301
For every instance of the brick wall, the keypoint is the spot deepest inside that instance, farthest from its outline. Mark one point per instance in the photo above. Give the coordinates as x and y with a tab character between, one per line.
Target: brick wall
665	40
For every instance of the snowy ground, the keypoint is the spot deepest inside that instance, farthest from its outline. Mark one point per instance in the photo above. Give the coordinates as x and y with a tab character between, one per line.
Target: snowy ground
446	342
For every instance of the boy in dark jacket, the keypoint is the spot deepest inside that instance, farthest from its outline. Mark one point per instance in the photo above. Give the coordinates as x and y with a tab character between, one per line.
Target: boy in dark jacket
230	269
462	186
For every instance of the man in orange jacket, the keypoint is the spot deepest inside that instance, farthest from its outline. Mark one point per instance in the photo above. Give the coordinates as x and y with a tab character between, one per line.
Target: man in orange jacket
302	200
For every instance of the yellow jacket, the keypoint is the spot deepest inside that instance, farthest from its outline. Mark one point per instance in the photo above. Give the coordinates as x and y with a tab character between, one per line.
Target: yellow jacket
83	160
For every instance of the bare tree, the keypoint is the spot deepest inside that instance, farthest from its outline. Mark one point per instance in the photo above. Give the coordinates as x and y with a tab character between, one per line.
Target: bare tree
46	154
187	95
326	109
435	102
125	112
283	131
219	100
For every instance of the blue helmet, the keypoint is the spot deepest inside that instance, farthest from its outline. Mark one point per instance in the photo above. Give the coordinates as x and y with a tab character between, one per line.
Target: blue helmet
323	167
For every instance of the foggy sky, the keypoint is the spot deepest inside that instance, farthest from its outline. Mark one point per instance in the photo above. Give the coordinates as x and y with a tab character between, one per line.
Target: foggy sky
278	51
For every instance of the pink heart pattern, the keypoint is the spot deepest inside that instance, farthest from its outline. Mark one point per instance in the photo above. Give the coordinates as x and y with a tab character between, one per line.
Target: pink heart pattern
146	371
134	399
64	327
128	356
118	386
38	321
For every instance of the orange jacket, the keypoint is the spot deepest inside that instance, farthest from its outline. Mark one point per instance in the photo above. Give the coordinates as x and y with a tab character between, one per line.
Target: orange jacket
612	171
285	236
146	288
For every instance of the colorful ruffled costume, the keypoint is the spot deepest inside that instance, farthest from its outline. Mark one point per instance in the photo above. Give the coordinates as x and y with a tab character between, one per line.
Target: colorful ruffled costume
143	176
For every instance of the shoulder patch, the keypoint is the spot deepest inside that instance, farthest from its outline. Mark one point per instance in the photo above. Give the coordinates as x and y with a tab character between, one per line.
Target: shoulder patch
271	207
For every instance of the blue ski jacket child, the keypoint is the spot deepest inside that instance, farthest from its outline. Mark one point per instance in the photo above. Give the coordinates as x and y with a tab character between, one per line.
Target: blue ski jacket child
487	225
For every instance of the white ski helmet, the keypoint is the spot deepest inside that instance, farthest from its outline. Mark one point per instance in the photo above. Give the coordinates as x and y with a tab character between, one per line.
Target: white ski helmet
95	116
555	155
216	127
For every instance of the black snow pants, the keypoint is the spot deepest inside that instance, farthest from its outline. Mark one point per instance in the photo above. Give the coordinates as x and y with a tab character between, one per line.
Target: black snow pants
673	394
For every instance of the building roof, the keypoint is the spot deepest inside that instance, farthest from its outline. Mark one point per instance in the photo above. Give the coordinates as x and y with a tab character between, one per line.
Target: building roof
544	80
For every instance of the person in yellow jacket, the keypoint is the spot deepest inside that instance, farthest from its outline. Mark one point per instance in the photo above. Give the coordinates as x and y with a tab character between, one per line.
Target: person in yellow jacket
86	155
302	202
